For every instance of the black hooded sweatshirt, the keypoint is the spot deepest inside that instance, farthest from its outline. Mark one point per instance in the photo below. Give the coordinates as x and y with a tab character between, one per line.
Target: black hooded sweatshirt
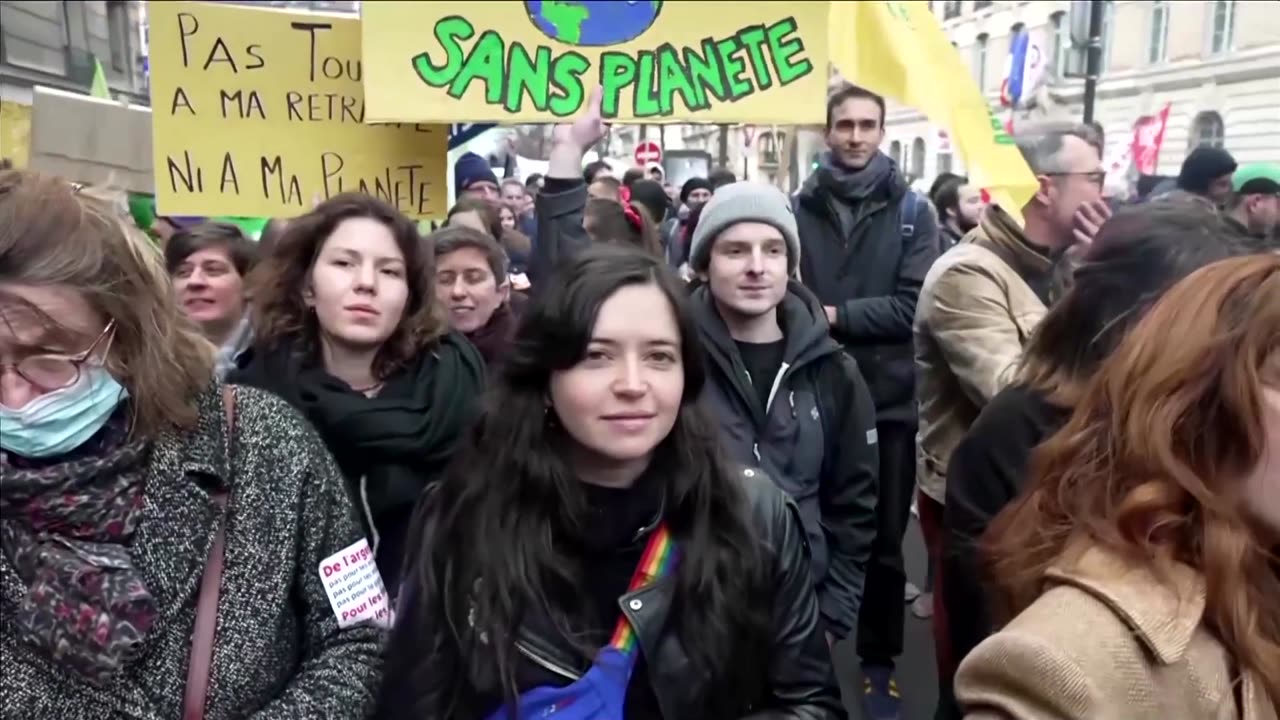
814	434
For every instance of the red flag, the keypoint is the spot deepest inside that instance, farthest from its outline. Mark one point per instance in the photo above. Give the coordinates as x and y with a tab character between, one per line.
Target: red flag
1148	136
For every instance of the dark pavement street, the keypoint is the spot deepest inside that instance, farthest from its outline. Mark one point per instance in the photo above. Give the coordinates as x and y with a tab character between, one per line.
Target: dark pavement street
917	676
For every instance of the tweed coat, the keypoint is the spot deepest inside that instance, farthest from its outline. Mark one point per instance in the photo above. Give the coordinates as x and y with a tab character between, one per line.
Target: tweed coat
278	652
1108	640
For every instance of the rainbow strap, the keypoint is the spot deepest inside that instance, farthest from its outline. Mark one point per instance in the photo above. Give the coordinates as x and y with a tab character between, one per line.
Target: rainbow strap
658	561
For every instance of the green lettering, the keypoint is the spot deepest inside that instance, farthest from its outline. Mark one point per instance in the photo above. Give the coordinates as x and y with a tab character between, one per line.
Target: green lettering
673	78
708	76
734	68
566	76
448	31
525	75
752	38
617	71
999	134
644	101
784	52
484	63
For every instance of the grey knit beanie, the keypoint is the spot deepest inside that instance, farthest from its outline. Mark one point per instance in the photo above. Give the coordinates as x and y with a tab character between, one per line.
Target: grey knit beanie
744	202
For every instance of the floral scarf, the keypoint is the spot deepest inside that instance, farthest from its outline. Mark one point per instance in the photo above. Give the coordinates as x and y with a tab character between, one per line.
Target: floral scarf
66	528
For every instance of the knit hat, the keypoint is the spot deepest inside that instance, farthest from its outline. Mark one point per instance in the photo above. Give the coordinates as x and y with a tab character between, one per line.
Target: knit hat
693	183
1204	165
1257	179
471	169
744	202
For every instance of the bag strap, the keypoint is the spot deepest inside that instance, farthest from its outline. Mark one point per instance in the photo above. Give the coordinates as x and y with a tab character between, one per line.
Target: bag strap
907	215
200	662
658	561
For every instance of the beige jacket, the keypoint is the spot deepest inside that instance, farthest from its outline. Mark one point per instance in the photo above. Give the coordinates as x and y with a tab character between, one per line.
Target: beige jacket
1109	641
977	308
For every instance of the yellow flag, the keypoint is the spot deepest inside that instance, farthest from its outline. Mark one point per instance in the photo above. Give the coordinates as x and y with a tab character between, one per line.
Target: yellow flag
99	87
898	50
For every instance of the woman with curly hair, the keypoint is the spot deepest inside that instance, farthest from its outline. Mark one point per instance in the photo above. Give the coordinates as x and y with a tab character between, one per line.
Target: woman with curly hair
348	329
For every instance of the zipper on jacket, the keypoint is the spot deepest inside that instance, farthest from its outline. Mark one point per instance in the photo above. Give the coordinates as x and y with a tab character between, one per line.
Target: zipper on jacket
773	391
546	664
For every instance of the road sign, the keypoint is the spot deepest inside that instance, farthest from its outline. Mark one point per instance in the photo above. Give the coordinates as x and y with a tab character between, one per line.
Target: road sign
648	152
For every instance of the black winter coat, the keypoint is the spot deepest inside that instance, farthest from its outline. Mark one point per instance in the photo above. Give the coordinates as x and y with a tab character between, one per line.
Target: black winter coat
828	464
799	680
987	472
872	275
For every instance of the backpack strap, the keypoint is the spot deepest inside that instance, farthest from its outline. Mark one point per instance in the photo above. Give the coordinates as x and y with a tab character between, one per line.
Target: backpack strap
200	661
907	215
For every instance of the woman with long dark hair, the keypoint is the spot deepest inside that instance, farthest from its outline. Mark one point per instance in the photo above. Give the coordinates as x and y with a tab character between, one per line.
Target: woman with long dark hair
348	329
588	544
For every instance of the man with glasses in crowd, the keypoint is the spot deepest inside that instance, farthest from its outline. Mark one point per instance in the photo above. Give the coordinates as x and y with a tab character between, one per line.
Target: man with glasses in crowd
978	307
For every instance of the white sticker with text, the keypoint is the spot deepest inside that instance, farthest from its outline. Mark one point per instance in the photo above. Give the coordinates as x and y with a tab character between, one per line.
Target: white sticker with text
354	585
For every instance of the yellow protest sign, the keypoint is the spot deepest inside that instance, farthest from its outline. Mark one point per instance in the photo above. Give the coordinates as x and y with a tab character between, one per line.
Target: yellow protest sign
15	132
258	113
899	50
507	61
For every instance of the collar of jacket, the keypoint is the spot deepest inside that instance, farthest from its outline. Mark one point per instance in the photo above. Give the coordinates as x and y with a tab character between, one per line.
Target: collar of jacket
1001	233
1164	607
804	329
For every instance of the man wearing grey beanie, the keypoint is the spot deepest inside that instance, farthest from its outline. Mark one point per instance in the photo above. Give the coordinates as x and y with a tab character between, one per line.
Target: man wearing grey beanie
788	399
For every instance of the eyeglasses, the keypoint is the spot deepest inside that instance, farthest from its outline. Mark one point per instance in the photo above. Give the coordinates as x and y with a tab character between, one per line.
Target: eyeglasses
1097	177
53	372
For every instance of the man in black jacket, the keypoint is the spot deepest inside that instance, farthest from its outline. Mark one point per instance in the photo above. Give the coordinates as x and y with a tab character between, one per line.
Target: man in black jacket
868	242
787	398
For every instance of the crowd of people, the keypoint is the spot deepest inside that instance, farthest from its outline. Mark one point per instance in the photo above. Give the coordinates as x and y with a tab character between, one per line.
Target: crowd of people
603	448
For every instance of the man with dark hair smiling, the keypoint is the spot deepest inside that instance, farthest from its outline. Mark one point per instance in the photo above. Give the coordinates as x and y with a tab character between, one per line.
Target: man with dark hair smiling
868	242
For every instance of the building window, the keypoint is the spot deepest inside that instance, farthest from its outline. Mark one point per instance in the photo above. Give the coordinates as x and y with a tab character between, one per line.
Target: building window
950	9
980	61
1224	25
895	152
1061	42
981	4
1207	129
1159	32
771	148
944	163
917	158
118	33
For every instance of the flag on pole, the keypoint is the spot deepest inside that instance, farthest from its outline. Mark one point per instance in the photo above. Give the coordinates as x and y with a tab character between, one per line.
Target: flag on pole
99	87
898	49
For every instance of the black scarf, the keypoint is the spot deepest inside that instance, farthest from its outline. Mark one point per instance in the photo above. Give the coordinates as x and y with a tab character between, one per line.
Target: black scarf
849	191
398	441
67	529
854	186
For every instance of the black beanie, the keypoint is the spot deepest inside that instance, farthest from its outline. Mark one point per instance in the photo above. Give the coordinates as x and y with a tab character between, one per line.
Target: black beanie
1204	165
694	183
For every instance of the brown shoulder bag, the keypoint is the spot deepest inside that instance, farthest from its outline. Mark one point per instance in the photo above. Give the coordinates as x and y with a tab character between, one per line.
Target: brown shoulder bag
200	663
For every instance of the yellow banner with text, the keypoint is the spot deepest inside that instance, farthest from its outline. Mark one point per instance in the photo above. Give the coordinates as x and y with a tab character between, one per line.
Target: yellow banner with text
261	113
538	61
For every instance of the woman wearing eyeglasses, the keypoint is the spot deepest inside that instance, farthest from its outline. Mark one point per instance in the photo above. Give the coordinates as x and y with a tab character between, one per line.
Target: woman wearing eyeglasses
164	539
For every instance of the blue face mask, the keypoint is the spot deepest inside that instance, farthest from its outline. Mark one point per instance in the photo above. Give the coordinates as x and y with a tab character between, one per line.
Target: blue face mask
61	421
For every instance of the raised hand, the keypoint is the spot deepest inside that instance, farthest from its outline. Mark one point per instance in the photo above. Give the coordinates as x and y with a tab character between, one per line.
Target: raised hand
585	131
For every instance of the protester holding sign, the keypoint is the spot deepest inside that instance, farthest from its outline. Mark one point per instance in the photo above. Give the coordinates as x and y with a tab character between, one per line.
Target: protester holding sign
348	330
589	552
145	506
